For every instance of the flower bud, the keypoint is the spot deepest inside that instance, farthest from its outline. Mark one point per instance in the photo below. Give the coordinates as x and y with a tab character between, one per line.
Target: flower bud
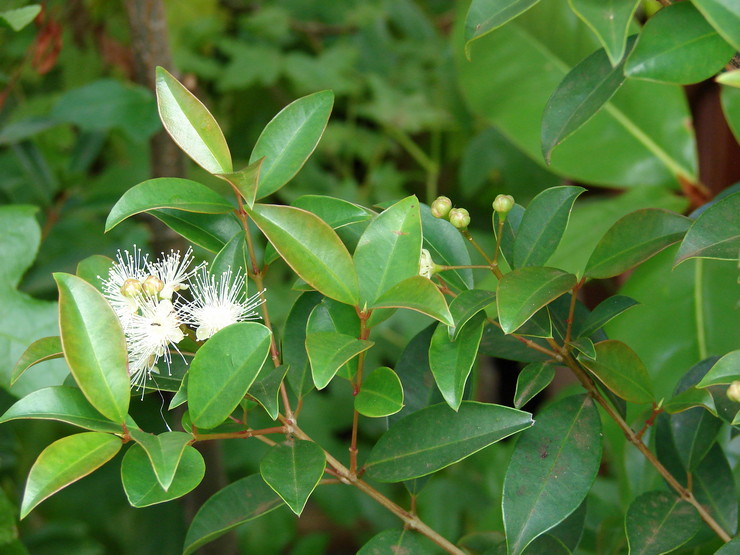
503	204
152	285
131	288
427	267
733	392
441	207
460	218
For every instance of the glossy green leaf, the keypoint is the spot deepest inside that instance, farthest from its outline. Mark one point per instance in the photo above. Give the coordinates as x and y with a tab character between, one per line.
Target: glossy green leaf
571	530
466	305
607	310
167	192
417	293
336	212
191	125
724	16
524	291
688	399
389	250
543	225
621	370
508	235
579	97
65	404
46	348
585	346
730	78
66	461
730	100
210	231
18	18
533	378
290	139
633	239
659	522
403	542
730	548
294	343
94	346
245	181
266	389
140	482
715	233
329	351
552	469
714	488
609	20
525	60
677	45
447	247
451	361
547	545
725	371
237	503
381	394
311	248
436	437
223	369
164	452
94	269
416	376
486	15
293	470
233	256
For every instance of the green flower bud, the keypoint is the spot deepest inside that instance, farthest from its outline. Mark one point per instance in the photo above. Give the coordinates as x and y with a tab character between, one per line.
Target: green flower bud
503	204
131	288
152	285
441	207
733	392
460	218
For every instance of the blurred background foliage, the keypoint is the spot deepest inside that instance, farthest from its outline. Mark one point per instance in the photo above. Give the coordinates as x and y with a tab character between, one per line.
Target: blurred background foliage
78	127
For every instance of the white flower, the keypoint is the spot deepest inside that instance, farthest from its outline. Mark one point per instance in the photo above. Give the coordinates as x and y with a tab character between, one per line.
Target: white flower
217	304
119	288
173	272
426	264
149	335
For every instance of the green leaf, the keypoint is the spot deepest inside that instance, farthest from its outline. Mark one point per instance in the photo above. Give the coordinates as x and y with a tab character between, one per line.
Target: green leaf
66	404
609	20
659	522
547	545
46	348
584	345
466	305
191	125
336	212
245	181
293	470
730	78
508	235
18	18
265	390
451	361
223	369
141	485
715	233
311	248
416	376
94	269
714	488
607	310
543	225
66	461
633	239
381	394
237	503
690	398
523	292
533	378
233	256
552	469
486	15
166	192
730	548
724	16
164	451
725	371
436	437
210	231
677	45
447	247
328	351
389	250
730	100
294	342
621	370
289	140
579	97
394	541
417	293
94	346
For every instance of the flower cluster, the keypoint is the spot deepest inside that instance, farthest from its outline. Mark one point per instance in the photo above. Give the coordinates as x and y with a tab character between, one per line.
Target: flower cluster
146	298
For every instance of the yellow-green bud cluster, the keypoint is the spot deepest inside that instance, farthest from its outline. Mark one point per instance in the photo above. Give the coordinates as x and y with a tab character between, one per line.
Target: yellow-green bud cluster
441	207
503	204
460	218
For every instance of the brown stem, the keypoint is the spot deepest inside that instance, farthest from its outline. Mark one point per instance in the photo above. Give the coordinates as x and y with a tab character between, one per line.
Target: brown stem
238	435
531	344
364	334
571	310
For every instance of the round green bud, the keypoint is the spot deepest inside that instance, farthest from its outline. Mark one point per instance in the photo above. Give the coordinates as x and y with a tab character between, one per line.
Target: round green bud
460	218
733	392
131	288
152	285
503	204
441	207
